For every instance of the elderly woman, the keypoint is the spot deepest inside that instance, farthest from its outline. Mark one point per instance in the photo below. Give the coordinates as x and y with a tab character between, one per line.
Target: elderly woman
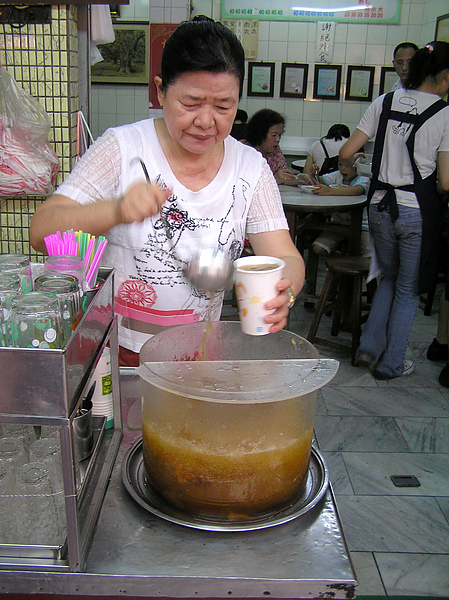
205	190
263	132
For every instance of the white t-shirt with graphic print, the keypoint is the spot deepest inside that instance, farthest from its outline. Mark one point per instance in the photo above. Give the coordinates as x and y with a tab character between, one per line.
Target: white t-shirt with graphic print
151	291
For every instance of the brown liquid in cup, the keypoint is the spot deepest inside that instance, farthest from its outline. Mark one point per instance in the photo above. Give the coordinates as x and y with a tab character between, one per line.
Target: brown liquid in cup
262	267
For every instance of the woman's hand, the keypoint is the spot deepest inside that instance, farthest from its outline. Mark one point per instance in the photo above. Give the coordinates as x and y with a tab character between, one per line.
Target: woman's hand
285	177
141	200
278	318
306	179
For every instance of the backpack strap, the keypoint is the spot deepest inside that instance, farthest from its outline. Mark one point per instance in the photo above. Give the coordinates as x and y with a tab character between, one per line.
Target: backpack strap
324	148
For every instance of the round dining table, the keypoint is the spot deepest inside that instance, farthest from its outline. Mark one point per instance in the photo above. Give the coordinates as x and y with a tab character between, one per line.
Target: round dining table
298	202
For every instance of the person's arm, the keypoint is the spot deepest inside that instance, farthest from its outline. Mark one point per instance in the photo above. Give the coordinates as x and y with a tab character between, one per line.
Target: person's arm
443	172
285	177
310	168
279	243
353	145
60	213
344	190
266	208
88	199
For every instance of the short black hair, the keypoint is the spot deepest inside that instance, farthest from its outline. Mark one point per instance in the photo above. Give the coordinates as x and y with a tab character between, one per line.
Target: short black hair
260	123
241	115
404	46
202	44
338	131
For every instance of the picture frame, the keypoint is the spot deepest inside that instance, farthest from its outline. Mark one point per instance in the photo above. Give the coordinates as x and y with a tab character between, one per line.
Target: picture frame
388	77
114	9
261	79
442	28
360	83
442	35
327	82
126	60
293	80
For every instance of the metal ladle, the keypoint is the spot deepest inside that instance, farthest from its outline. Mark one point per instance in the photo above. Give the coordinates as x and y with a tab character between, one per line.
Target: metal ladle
208	268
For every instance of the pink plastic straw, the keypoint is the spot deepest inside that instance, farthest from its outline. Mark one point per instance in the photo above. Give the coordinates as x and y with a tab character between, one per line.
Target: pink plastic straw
87	256
92	274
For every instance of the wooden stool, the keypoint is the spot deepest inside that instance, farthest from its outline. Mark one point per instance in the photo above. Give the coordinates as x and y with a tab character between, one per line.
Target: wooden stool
347	300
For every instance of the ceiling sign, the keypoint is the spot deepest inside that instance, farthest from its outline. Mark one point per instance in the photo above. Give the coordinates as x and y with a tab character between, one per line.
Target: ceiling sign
348	11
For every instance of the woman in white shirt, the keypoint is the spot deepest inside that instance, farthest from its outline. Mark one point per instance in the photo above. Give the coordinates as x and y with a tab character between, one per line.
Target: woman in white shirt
411	127
205	190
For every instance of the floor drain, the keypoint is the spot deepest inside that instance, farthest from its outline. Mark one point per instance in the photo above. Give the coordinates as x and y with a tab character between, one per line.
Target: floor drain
405	480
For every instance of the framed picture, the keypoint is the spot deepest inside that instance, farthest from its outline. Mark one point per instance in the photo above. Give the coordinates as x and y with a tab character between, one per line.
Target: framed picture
442	35
442	28
261	79
327	82
360	83
125	60
293	80
114	9
388	78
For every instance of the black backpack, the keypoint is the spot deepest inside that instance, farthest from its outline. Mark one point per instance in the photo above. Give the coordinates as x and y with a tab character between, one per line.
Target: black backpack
330	163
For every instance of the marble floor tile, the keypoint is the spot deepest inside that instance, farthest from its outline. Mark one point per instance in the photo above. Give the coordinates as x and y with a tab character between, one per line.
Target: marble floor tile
367	574
349	376
425	376
392	402
321	408
425	435
370	473
368	430
338	474
443	503
393	524
363	434
414	574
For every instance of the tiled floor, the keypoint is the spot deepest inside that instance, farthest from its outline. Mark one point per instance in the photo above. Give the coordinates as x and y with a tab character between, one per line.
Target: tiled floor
369	430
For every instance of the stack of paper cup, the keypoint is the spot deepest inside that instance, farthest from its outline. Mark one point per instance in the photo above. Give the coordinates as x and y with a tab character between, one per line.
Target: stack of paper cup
102	404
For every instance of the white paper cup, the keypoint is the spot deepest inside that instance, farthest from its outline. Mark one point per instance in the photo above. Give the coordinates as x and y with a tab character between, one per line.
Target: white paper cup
254	286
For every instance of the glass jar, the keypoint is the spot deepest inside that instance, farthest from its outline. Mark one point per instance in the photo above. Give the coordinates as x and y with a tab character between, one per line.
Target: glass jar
67	289
10	285
18	264
69	264
37	513
36	321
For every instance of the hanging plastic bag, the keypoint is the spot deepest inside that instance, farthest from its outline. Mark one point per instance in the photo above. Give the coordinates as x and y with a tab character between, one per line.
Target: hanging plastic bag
101	30
27	163
84	136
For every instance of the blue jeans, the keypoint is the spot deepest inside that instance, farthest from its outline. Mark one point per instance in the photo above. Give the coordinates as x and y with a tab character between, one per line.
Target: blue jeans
398	249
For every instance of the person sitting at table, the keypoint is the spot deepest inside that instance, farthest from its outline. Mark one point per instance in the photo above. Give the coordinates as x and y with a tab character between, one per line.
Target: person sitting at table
344	182
322	157
263	132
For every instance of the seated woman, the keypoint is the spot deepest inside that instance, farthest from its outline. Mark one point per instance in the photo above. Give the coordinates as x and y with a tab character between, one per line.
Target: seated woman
344	182
323	154
263	132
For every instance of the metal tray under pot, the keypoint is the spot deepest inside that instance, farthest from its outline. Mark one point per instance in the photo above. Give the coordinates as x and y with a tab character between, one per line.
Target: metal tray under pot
138	485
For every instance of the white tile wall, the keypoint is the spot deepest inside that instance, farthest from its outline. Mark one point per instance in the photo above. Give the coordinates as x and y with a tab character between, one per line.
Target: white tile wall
280	42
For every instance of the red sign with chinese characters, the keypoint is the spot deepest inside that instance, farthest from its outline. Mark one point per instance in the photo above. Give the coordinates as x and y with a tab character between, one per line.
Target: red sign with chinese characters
159	34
